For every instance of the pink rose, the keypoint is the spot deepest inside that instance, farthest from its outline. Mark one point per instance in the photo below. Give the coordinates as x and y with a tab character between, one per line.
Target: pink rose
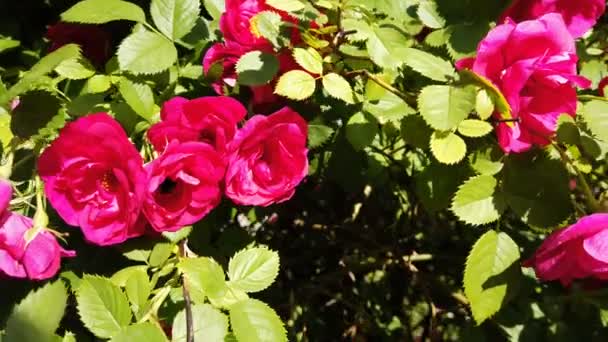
267	159
235	22
533	63
210	119
94	178
94	41
37	259
576	252
580	16
183	185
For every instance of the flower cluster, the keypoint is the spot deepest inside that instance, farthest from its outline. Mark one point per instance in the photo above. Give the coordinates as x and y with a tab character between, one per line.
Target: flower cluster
239	39
533	62
95	178
26	251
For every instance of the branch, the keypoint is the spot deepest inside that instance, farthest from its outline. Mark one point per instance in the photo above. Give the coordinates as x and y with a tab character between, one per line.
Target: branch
410	100
187	300
592	202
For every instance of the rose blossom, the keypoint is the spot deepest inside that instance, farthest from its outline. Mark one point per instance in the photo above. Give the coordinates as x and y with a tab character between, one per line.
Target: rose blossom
576	252
183	185
267	159
94	178
37	259
533	63
94	41
579	16
208	119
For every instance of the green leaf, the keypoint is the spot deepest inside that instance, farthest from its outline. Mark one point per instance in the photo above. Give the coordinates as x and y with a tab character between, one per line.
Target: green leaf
476	201
595	114
37	316
338	87
6	135
121	277
75	69
296	85
387	46
567	131
97	84
139	97
416	132
318	135
444	107
286	5
138	288
215	7
175	18
257	68
103	11
206	275
388	108
484	105
254	321
492	274
160	253
474	128
7	44
209	324
448	148
145	52
429	65
309	59
267	24
427	12
145	331
536	189
36	109
500	102
102	307
487	161
253	269
361	130
44	66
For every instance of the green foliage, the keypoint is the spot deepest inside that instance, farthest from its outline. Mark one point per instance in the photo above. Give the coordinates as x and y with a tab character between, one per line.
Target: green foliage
205	275
309	59
267	24
254	269
75	69
286	5
338	87
36	109
448	148
429	65
257	68
138	96
103	11
254	321
386	46
492	274
444	107
37	317
175	18
318	135
477	202
296	85
145	52
140	332
102	306
361	130
474	128
209	324
594	114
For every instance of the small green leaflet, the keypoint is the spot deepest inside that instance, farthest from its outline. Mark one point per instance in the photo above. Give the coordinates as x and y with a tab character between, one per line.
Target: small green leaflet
103	11
443	107
175	18
338	87
254	269
296	85
257	68
474	128
286	5
145	52
476	201
448	148
309	59
492	274
209	324
254	321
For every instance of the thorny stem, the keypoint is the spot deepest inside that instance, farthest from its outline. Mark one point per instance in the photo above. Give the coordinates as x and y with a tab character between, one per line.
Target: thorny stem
187	300
584	185
405	97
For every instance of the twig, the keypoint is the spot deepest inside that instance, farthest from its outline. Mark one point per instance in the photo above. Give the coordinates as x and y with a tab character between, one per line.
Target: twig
187	300
410	100
592	202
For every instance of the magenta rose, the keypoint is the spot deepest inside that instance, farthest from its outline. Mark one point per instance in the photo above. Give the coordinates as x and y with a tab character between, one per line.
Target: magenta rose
37	259
211	119
184	185
94	178
601	88
579	16
93	40
267	159
533	63
579	251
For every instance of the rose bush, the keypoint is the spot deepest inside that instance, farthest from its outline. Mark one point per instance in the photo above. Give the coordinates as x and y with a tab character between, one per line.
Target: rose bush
391	170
